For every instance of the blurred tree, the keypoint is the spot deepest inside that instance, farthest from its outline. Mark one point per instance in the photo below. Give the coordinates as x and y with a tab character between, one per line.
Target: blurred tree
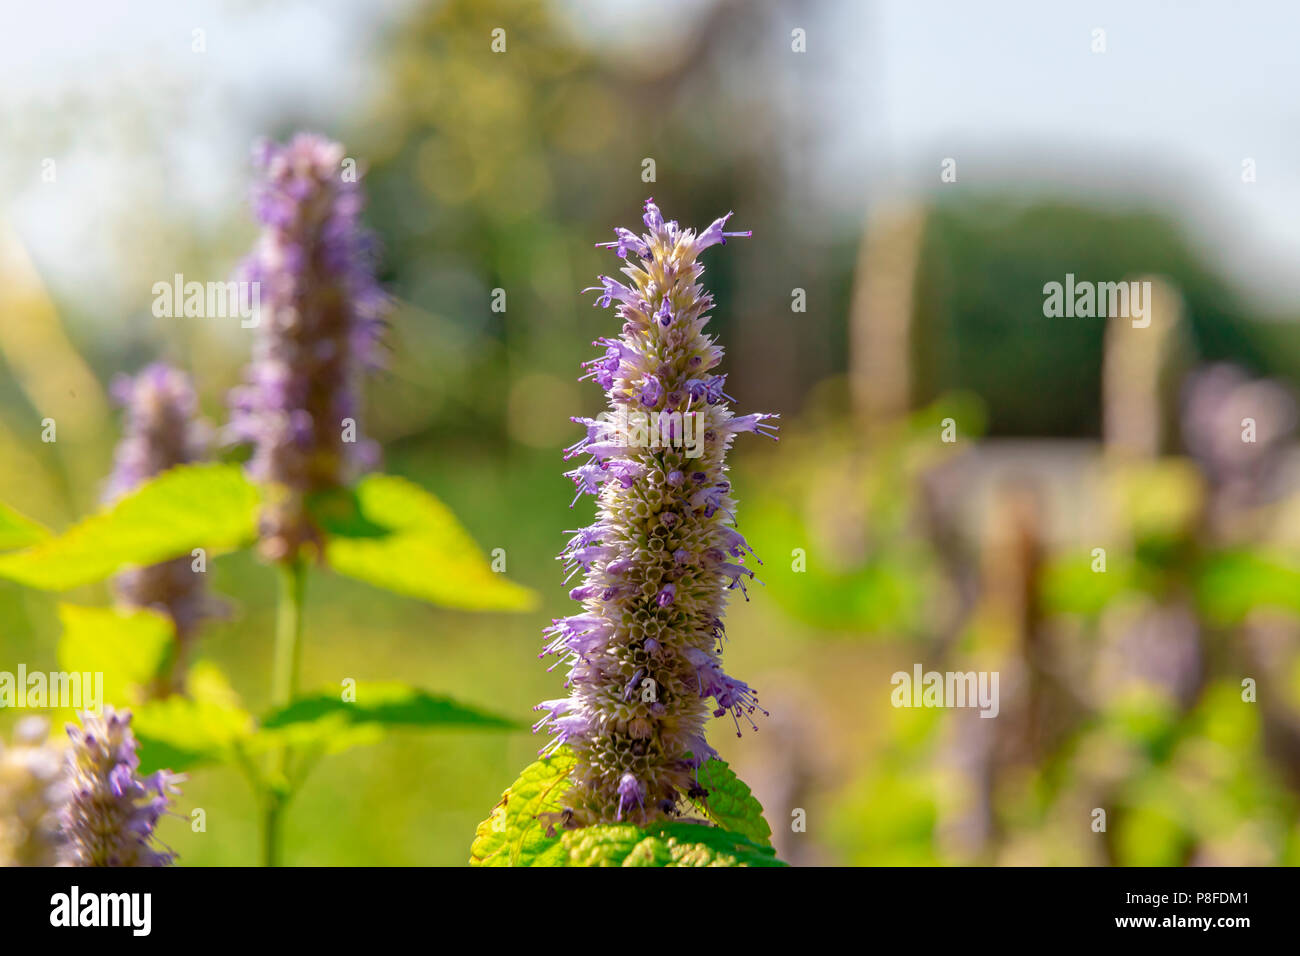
980	323
497	161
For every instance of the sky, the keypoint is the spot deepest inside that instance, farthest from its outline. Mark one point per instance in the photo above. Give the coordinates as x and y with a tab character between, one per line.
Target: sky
1183	94
1012	90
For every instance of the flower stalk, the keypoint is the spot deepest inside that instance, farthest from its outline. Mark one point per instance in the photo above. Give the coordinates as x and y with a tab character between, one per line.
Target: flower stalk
318	332
162	431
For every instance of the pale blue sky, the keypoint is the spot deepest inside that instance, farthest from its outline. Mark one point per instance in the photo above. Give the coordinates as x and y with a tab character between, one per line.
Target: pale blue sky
1010	89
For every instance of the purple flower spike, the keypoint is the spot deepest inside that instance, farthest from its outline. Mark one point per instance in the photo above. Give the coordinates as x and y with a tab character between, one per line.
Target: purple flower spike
111	812
161	428
320	323
161	431
644	674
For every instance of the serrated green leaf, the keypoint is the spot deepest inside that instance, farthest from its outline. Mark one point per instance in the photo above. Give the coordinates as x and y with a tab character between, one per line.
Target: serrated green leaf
731	804
130	648
390	704
667	844
513	836
613	845
428	555
18	531
210	506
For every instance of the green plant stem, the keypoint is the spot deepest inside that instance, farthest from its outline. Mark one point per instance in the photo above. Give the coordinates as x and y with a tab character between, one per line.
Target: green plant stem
288	633
271	849
284	687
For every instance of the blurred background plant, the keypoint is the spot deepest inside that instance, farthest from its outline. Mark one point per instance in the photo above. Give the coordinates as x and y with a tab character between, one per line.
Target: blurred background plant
878	308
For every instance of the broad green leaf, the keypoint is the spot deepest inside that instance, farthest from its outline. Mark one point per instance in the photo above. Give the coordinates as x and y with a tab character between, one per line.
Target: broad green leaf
209	726
512	834
731	804
614	844
327	718
18	531
428	555
338	513
666	844
130	648
212	506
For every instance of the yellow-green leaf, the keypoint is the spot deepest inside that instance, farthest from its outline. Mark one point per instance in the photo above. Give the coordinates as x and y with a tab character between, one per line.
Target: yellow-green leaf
512	835
731	804
663	844
129	648
210	506
18	531
426	555
206	727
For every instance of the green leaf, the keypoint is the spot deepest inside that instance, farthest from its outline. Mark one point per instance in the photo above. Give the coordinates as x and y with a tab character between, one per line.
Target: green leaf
18	531
665	844
731	804
386	704
209	726
613	844
213	506
338	513
428	555
130	648
513	836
